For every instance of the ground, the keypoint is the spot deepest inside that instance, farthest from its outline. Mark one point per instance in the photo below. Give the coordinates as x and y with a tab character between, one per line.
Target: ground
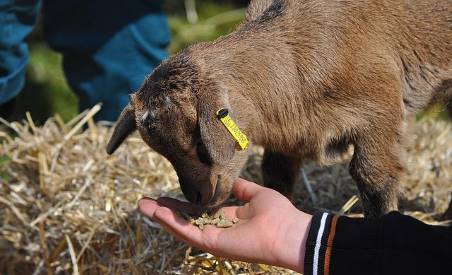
67	207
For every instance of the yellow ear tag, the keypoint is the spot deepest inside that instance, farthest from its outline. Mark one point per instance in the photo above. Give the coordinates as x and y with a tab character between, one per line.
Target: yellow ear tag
239	136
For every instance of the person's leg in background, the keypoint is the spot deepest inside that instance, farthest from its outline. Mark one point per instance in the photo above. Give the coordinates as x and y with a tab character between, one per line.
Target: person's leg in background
17	19
108	47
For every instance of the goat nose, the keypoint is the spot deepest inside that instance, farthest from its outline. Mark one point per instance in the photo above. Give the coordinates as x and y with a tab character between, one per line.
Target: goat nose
199	198
203	198
196	194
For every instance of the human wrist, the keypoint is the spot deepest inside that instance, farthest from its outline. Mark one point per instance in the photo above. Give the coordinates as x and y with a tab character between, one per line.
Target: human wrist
293	245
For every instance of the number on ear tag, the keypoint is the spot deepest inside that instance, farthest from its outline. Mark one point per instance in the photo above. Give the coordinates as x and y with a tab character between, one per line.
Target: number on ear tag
237	134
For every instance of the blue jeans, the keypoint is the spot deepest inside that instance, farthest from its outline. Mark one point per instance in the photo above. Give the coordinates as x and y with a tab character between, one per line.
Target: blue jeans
108	46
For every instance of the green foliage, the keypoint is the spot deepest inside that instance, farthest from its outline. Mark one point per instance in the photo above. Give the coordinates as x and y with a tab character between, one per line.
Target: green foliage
46	91
47	86
4	161
214	21
45	68
436	111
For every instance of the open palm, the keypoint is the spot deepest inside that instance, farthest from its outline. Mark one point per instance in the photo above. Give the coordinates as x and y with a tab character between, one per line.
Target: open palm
270	229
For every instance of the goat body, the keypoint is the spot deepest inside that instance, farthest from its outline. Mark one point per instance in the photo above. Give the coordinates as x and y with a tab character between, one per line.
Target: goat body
306	80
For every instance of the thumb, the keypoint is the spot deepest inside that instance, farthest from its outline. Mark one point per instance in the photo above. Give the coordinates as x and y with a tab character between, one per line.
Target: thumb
245	190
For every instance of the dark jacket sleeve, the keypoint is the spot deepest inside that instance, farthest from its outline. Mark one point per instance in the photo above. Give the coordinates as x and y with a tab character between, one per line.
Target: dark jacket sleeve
392	244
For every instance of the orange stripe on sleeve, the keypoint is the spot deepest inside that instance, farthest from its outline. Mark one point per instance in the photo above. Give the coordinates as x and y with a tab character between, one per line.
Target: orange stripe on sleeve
326	269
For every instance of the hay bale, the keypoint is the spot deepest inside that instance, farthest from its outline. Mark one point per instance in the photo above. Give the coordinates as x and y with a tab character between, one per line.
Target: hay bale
67	207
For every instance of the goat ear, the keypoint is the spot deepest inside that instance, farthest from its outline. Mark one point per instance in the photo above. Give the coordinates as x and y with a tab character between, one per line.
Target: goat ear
217	140
125	126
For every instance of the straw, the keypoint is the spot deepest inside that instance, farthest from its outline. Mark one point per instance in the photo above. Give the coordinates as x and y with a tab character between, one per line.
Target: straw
68	207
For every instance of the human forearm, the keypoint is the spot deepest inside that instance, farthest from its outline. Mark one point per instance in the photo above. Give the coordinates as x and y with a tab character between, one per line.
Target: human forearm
392	244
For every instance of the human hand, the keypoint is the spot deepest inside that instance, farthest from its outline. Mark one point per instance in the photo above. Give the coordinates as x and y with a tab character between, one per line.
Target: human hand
270	229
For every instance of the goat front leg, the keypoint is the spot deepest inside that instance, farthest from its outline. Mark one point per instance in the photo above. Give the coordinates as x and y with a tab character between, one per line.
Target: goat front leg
377	169
280	172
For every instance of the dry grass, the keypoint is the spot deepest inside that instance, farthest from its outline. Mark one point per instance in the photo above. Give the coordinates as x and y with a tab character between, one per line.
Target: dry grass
67	207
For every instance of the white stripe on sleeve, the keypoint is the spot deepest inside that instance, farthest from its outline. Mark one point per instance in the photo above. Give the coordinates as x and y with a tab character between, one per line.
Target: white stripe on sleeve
317	244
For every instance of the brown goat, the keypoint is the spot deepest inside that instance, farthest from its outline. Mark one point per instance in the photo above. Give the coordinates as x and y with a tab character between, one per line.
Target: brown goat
305	79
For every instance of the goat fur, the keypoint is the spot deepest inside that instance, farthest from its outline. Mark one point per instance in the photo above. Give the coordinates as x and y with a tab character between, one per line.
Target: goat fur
305	79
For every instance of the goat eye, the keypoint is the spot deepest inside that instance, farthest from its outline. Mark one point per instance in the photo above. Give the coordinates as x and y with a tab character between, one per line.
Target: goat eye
147	119
202	153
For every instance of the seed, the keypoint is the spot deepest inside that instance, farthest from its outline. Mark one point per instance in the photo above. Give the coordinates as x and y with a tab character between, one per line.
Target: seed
219	220
224	224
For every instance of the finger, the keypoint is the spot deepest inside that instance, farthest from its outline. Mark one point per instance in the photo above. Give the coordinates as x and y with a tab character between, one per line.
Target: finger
148	206
244	212
192	209
174	204
178	226
245	190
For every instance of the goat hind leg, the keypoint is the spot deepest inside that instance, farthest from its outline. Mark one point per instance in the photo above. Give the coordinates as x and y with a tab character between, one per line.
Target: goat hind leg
376	168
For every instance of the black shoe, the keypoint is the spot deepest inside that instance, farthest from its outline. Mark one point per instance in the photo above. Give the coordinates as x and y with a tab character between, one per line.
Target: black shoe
7	108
